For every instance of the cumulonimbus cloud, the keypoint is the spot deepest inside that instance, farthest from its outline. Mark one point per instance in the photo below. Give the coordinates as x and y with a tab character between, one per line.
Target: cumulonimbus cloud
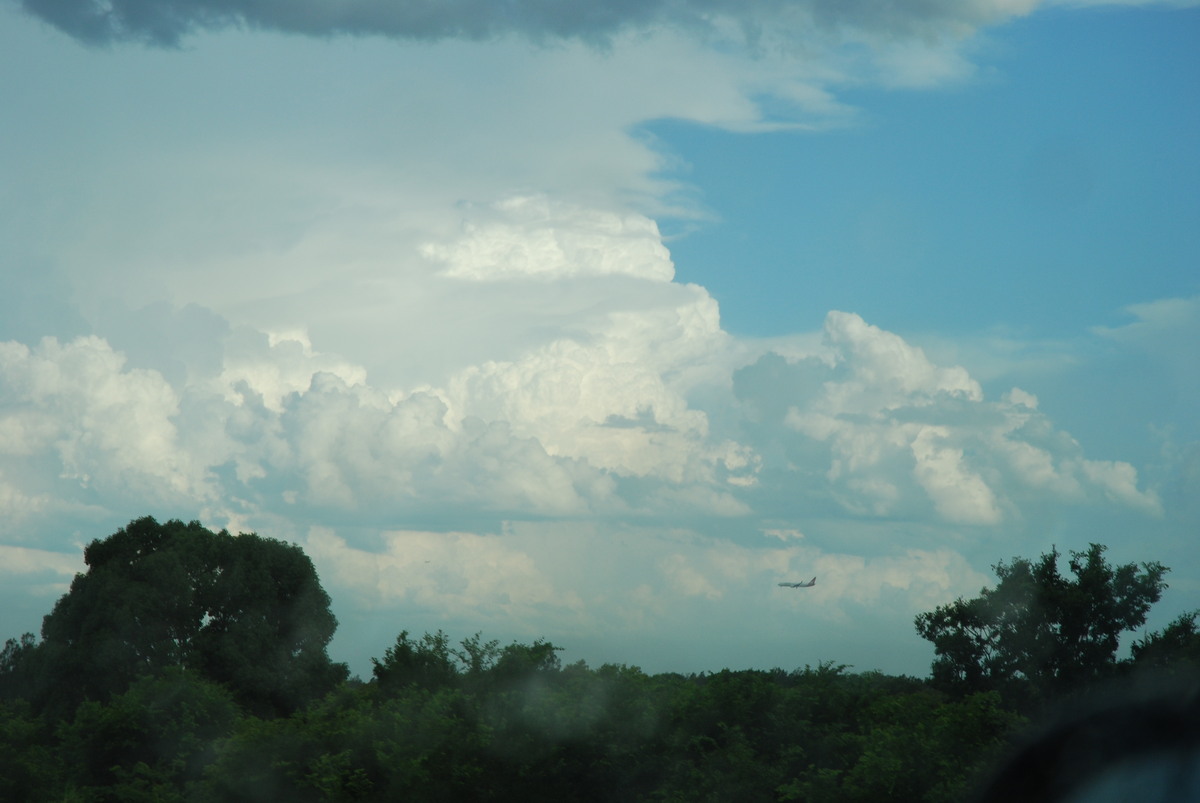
531	237
900	433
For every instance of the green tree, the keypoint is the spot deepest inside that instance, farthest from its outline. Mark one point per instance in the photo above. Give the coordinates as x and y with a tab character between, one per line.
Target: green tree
244	611
1175	647
428	663
412	745
1039	634
153	742
922	747
29	766
517	663
18	673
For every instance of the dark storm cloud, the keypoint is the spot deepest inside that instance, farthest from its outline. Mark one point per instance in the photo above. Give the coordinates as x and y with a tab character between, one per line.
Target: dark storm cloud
166	22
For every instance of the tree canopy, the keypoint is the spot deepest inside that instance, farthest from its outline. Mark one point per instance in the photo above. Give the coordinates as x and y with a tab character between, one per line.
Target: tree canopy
1174	648
244	611
1039	634
190	665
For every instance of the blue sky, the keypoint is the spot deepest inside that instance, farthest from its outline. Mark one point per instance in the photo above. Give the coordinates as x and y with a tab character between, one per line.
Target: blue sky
596	326
1043	195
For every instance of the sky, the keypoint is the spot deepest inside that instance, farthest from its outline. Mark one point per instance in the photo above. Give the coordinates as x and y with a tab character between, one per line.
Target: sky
594	322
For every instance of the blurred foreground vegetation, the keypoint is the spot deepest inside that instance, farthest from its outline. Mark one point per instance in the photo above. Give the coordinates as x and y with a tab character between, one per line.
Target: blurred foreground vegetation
187	665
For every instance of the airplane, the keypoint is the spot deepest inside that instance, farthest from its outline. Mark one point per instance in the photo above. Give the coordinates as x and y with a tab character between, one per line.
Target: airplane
809	584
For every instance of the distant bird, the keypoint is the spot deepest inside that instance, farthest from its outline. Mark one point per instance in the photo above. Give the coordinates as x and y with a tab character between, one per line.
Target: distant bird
809	584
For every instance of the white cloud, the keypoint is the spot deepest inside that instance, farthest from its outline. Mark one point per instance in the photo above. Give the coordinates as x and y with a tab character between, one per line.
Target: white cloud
30	580
456	574
547	432
900	429
413	306
783	534
1131	3
1163	318
576	582
72	411
312	215
926	578
533	237
611	414
560	431
1119	483
25	560
617	396
350	447
958	494
1016	396
277	366
884	371
626	416
685	579
1163	332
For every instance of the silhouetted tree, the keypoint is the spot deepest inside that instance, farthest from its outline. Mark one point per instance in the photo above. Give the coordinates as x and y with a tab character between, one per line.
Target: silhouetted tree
30	768
1039	634
428	663
190	665
1175	647
244	611
152	742
18	673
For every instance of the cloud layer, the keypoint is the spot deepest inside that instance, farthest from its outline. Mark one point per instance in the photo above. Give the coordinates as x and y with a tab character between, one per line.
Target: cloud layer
612	415
166	23
576	487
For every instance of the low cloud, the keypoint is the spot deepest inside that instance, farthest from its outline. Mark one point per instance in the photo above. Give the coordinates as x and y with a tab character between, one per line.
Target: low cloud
895	435
17	560
71	413
452	573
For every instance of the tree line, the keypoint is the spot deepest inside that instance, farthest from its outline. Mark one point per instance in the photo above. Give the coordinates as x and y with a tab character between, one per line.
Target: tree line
188	665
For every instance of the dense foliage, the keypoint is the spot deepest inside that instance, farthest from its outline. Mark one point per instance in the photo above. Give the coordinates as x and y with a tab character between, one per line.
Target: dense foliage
1039	635
516	727
243	611
176	710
